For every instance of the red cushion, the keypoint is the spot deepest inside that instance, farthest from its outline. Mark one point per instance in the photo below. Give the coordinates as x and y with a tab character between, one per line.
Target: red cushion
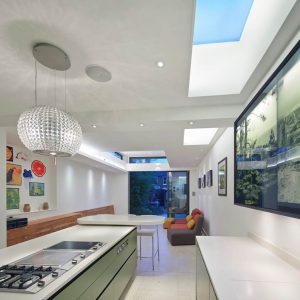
196	217
179	226
180	221
196	211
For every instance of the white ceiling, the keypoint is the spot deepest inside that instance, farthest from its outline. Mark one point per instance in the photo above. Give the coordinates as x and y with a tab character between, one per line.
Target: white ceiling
127	38
224	68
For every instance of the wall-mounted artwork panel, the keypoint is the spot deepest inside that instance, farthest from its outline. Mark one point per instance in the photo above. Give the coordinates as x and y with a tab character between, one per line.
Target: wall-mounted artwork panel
267	143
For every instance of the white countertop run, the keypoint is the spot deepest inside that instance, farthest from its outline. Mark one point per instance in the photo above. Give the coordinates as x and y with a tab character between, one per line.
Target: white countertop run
108	234
242	269
106	219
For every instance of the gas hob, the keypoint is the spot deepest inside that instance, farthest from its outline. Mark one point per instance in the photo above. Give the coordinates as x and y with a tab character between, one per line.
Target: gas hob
32	273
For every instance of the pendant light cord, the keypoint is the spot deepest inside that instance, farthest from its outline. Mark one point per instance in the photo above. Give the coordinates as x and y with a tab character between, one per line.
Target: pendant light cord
55	88
65	91
35	83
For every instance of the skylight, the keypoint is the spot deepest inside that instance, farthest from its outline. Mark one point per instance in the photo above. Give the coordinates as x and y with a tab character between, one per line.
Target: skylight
220	21
198	136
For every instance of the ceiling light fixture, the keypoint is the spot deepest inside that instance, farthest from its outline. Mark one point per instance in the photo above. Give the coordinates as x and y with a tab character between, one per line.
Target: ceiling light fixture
198	136
142	125
45	129
160	64
191	122
94	126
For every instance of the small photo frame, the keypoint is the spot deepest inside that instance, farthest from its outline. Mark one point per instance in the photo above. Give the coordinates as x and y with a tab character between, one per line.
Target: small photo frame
36	189
204	181
12	198
199	183
209	178
13	174
9	153
222	177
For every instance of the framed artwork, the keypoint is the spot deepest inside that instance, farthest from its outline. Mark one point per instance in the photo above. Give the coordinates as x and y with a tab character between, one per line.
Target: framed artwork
12	198
209	178
204	181
222	177
199	183
36	189
9	153
267	143
38	168
13	174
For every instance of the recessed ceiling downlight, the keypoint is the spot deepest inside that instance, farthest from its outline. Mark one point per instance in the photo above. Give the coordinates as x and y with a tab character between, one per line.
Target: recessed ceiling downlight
160	64
98	73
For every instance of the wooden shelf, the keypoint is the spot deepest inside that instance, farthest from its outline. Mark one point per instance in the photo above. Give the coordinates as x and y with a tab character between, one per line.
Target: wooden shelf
15	213
43	226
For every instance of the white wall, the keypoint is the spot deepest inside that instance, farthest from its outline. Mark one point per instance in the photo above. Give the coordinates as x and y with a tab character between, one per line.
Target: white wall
222	217
120	192
36	202
2	188
80	186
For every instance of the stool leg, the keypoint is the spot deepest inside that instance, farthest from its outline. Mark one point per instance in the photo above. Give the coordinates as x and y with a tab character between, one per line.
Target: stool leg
140	247
157	242
152	252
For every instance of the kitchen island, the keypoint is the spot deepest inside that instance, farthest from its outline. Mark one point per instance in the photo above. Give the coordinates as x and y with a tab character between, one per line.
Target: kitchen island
103	273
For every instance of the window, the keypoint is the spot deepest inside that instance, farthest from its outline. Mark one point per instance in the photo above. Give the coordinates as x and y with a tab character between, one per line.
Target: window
117	155
148	160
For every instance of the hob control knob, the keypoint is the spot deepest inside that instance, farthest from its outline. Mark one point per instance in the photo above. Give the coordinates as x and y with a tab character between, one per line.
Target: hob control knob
95	248
54	274
74	261
82	255
41	283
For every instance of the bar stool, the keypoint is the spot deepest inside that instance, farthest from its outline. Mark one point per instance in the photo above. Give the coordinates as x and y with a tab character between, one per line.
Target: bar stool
149	233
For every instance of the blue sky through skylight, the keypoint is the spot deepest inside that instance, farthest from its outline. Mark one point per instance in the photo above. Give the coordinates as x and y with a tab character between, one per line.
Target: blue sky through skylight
220	21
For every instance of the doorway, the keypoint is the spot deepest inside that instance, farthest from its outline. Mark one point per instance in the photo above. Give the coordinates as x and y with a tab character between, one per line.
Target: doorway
159	193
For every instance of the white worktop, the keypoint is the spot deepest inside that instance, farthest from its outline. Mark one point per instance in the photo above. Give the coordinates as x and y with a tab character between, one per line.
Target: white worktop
108	234
242	269
106	219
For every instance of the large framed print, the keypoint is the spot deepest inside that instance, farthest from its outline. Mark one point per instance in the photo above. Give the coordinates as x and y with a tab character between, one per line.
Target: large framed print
222	177
267	144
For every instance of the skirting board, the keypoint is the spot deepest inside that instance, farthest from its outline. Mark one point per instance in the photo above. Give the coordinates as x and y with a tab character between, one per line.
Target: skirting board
289	258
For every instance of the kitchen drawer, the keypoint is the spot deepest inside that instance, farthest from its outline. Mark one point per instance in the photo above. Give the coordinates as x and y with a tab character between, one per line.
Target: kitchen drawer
118	284
91	283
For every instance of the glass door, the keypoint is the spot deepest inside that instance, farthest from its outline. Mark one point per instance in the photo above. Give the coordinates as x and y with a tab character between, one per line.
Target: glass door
178	193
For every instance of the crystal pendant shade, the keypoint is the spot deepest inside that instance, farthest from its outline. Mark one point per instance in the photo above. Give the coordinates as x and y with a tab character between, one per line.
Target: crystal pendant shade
48	130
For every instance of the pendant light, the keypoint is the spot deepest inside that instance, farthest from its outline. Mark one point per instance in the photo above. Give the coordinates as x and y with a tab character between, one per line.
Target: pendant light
45	129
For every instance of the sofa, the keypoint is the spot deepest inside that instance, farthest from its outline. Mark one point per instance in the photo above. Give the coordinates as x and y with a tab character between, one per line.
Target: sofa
180	234
169	221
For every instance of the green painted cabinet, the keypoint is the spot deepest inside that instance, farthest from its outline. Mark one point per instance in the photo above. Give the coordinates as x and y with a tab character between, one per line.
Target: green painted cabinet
106	278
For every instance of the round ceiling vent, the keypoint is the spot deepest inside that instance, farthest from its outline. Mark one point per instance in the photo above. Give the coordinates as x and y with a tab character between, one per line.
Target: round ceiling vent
98	73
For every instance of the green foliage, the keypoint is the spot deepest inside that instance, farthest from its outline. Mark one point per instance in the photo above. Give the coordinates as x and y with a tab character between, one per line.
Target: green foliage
249	186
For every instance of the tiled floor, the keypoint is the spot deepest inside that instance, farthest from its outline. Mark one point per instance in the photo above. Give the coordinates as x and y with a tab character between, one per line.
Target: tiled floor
173	277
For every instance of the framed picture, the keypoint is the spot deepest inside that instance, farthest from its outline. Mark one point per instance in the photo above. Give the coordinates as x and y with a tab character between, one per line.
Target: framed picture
267	143
209	178
222	177
13	174
36	189
9	153
199	183
204	181
12	198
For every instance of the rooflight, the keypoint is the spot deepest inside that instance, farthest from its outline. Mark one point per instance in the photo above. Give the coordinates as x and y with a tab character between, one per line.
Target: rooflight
220	21
198	136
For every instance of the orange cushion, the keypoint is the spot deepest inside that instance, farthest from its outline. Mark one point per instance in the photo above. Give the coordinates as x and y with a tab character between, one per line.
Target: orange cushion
190	224
188	217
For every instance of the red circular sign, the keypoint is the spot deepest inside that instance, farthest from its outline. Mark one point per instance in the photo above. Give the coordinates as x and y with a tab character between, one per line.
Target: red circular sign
38	168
